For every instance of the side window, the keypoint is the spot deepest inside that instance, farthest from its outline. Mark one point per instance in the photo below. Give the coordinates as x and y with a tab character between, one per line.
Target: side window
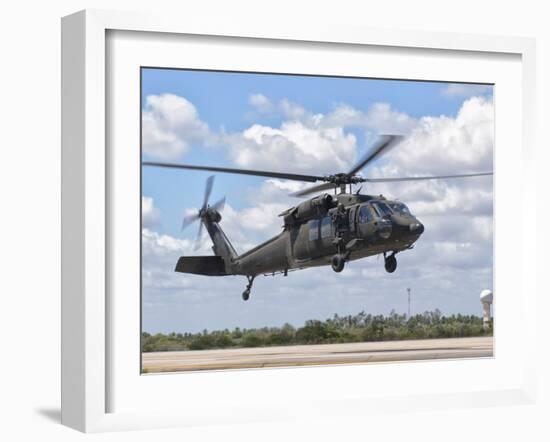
313	226
365	215
326	227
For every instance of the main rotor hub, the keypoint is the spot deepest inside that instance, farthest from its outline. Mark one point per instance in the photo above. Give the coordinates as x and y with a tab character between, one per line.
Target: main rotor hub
343	178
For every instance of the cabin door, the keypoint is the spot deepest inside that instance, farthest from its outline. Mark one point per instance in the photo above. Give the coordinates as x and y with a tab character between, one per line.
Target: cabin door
314	243
326	230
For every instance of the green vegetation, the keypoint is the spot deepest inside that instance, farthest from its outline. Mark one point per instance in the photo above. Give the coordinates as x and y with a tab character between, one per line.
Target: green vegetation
358	328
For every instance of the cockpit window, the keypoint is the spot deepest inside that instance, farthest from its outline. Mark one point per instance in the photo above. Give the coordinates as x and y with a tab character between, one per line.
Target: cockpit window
400	208
382	209
365	215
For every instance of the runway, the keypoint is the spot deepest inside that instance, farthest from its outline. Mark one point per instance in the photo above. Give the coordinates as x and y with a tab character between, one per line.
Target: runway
302	355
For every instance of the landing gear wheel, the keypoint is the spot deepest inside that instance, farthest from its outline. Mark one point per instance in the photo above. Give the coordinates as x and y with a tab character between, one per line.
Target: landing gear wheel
390	263
338	263
246	295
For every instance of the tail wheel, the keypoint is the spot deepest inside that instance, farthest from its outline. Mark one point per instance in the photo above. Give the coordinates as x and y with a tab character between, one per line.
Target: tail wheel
338	263
246	293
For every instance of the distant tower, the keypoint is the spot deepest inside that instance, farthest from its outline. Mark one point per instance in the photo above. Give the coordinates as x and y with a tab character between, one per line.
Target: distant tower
486	298
409	302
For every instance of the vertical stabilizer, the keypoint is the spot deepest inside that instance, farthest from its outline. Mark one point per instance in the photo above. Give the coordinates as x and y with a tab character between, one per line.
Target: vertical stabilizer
222	246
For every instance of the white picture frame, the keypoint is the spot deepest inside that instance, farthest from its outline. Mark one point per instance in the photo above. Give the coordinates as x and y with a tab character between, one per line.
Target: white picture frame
87	316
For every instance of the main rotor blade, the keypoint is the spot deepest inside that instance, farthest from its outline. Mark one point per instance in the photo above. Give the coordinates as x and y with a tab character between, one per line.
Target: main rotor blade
421	178
208	190
384	144
284	176
313	189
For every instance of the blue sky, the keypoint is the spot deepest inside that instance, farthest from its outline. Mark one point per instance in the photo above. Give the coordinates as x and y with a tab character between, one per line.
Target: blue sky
241	119
232	91
222	100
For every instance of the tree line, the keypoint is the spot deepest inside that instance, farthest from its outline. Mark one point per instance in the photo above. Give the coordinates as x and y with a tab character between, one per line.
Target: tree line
362	327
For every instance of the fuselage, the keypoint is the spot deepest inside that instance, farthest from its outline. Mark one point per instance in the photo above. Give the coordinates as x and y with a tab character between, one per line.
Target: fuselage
355	225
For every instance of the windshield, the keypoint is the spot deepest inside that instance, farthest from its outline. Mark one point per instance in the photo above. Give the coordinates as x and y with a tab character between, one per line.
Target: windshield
382	209
400	208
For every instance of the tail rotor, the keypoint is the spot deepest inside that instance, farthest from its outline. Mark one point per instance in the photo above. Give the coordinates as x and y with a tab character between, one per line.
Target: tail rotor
204	211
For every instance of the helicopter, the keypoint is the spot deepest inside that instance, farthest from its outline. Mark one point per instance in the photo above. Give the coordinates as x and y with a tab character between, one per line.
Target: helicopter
328	229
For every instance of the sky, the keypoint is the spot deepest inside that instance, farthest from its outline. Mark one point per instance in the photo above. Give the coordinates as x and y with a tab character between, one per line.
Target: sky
317	125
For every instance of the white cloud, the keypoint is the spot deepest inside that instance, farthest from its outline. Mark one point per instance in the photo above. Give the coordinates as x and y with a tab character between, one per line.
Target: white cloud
155	244
465	90
160	253
380	117
312	143
293	146
170	125
275	190
261	219
150	215
159	256
446	145
293	111
260	102
306	142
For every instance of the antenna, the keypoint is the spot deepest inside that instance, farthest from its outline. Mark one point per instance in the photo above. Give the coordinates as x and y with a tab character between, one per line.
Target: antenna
409	303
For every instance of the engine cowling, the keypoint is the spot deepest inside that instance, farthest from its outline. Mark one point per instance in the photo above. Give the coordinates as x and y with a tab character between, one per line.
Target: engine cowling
311	208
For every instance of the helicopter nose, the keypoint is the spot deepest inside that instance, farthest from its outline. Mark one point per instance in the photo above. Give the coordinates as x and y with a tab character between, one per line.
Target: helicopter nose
416	227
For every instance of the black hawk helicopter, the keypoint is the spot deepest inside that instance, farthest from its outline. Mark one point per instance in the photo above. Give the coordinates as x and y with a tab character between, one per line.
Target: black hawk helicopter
326	229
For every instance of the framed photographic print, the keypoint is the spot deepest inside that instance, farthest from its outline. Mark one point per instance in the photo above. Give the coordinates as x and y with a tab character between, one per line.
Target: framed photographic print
298	223
270	222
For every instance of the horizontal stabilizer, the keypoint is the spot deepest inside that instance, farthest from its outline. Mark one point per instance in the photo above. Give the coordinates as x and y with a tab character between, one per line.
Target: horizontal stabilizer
201	265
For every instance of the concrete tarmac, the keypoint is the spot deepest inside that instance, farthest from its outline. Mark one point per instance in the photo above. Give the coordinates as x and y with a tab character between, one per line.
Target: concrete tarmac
301	355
